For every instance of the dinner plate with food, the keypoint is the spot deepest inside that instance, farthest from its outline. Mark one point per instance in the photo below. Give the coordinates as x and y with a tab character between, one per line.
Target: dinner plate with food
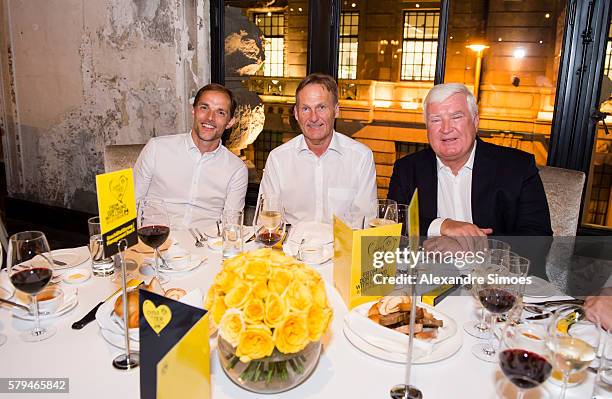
380	329
53	301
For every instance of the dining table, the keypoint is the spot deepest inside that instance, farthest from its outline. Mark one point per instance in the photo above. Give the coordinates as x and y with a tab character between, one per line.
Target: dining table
85	358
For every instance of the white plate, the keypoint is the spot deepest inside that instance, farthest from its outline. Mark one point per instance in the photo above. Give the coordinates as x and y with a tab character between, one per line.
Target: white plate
540	288
76	276
440	352
70	257
6	288
66	307
447	344
321	233
195	263
118	340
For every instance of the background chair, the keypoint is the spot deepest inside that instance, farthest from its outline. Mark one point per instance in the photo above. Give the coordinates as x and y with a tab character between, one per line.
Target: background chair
563	189
117	157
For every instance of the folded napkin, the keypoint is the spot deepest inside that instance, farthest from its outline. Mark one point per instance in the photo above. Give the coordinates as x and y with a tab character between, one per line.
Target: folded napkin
385	338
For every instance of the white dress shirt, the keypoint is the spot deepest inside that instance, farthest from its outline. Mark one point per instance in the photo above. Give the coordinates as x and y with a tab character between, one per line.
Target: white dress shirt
341	180
454	194
196	187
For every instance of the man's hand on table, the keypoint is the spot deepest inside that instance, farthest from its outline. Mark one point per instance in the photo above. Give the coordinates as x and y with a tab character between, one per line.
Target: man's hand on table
468	236
600	306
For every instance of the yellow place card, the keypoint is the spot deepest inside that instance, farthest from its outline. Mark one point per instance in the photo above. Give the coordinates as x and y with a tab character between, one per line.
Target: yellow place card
184	372
117	209
413	222
354	251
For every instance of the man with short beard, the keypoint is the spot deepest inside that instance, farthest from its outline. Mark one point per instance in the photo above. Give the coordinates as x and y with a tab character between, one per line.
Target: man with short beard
193	172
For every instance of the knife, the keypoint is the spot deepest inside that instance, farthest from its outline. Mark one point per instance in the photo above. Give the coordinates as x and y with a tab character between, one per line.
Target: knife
91	315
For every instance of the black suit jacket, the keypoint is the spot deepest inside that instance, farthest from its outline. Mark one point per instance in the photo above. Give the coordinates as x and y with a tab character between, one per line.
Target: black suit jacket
507	193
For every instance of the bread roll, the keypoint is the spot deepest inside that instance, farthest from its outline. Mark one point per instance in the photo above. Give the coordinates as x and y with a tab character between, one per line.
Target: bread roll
133	298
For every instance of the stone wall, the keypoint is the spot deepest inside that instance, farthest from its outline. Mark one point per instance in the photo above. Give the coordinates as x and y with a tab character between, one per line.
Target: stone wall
78	75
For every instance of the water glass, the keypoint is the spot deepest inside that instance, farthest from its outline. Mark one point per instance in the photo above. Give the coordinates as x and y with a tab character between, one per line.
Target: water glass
232	232
100	265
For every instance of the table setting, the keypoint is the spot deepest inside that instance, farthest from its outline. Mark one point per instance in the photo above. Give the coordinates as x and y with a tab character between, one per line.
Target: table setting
353	355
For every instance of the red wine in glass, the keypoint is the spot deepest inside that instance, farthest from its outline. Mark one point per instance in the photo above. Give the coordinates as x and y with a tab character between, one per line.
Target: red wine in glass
496	300
525	369
269	238
31	281
154	236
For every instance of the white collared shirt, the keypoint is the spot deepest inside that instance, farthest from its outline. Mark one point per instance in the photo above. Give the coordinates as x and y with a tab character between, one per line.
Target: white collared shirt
196	187
454	194
312	188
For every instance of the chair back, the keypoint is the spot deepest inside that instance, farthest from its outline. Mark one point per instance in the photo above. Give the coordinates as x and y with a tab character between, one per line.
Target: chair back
563	189
117	157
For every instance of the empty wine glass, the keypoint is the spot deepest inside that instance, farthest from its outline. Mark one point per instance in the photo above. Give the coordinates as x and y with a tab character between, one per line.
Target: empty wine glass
30	270
154	228
269	220
572	341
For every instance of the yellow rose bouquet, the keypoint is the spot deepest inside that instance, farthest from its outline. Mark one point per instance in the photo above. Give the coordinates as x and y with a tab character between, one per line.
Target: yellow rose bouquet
270	311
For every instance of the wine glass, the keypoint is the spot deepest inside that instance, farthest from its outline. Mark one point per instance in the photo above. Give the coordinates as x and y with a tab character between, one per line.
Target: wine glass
154	228
495	253
269	220
498	294
385	213
524	358
572	341
30	270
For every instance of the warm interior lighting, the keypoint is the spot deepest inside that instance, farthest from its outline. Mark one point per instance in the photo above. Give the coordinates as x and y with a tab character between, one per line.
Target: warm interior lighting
519	53
300	9
409	105
353	5
541	42
269	14
382	103
499	39
477	48
417	5
547	15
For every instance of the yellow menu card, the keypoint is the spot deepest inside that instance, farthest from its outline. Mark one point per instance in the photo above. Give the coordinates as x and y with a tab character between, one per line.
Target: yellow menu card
117	209
354	251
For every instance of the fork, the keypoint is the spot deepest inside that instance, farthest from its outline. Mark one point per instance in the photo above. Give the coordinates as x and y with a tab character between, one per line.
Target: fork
197	240
202	236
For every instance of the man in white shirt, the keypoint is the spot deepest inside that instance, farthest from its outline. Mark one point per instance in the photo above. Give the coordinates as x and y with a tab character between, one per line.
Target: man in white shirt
468	187
193	172
320	172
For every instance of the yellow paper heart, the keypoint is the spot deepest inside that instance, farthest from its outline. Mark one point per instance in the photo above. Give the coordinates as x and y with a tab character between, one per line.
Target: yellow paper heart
157	317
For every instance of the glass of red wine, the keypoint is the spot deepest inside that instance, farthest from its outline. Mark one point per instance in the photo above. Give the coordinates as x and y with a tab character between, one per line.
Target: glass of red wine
498	294
30	270
524	358
269	220
154	228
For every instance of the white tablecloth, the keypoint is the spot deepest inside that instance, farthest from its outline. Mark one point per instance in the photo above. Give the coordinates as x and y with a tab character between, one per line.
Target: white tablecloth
343	371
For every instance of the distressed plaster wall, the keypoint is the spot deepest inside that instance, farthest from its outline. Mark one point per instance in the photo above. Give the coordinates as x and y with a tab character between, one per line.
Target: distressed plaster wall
86	74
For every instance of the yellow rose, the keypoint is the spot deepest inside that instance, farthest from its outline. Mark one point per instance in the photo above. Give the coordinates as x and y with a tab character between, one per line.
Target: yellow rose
275	310
279	280
279	258
233	263
263	253
318	320
292	335
256	269
254	310
231	326
260	288
238	295
225	280
213	291
255	343
299	297
319	295
217	309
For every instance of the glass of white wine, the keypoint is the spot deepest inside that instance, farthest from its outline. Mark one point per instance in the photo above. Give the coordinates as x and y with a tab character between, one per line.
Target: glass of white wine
269	220
572	342
385	213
